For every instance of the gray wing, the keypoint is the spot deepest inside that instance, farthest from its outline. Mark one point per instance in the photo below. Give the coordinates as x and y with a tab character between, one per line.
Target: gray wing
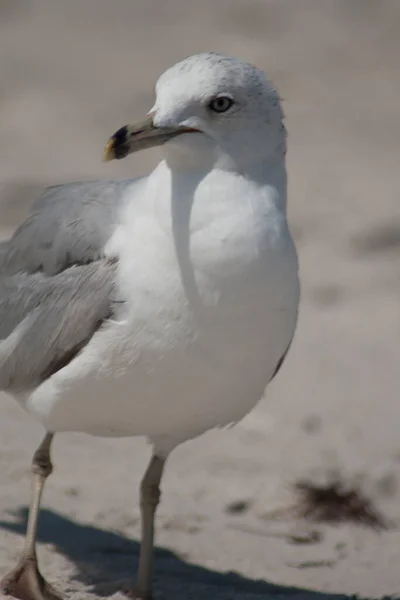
46	321
56	288
69	225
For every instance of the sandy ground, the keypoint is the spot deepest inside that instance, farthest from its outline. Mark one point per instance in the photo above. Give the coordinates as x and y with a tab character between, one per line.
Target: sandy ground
72	72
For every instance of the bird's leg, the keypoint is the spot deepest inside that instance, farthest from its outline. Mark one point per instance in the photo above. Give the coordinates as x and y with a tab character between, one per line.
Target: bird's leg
149	499
25	580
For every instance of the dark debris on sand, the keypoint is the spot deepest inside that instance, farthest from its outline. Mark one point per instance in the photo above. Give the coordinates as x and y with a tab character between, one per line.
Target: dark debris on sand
336	502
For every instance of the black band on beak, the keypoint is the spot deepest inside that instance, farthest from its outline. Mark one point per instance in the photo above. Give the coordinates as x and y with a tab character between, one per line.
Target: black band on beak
120	143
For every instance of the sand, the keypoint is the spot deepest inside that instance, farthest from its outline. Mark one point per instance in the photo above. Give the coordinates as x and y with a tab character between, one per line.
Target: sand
71	73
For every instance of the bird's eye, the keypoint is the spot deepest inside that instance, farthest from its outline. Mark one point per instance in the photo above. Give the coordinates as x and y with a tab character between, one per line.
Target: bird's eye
220	104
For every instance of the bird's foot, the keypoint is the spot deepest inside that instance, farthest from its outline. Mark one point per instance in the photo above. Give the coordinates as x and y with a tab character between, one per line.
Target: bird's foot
25	582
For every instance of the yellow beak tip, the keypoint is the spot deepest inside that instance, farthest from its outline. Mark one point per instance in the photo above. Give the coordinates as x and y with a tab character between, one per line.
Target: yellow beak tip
109	152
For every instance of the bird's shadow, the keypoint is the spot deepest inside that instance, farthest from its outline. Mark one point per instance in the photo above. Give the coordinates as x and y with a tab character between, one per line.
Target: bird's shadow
101	556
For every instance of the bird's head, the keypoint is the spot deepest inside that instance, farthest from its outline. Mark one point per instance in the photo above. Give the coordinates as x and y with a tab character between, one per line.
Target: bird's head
211	106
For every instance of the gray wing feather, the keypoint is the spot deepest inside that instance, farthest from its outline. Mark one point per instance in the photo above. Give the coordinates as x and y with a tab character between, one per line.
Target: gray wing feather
56	288
70	224
46	321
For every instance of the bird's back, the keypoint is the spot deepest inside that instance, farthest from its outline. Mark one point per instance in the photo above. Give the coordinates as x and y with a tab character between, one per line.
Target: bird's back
69	225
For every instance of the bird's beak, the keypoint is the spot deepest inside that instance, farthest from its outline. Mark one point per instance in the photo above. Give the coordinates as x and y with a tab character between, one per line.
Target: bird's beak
138	136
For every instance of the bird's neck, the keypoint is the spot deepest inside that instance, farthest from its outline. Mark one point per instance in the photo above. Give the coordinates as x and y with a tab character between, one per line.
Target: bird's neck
193	157
188	180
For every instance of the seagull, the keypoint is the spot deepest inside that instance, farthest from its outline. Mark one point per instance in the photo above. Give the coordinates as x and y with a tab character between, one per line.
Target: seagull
160	306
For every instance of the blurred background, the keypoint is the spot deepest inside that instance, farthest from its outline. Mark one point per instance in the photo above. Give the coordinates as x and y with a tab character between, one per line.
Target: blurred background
71	73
